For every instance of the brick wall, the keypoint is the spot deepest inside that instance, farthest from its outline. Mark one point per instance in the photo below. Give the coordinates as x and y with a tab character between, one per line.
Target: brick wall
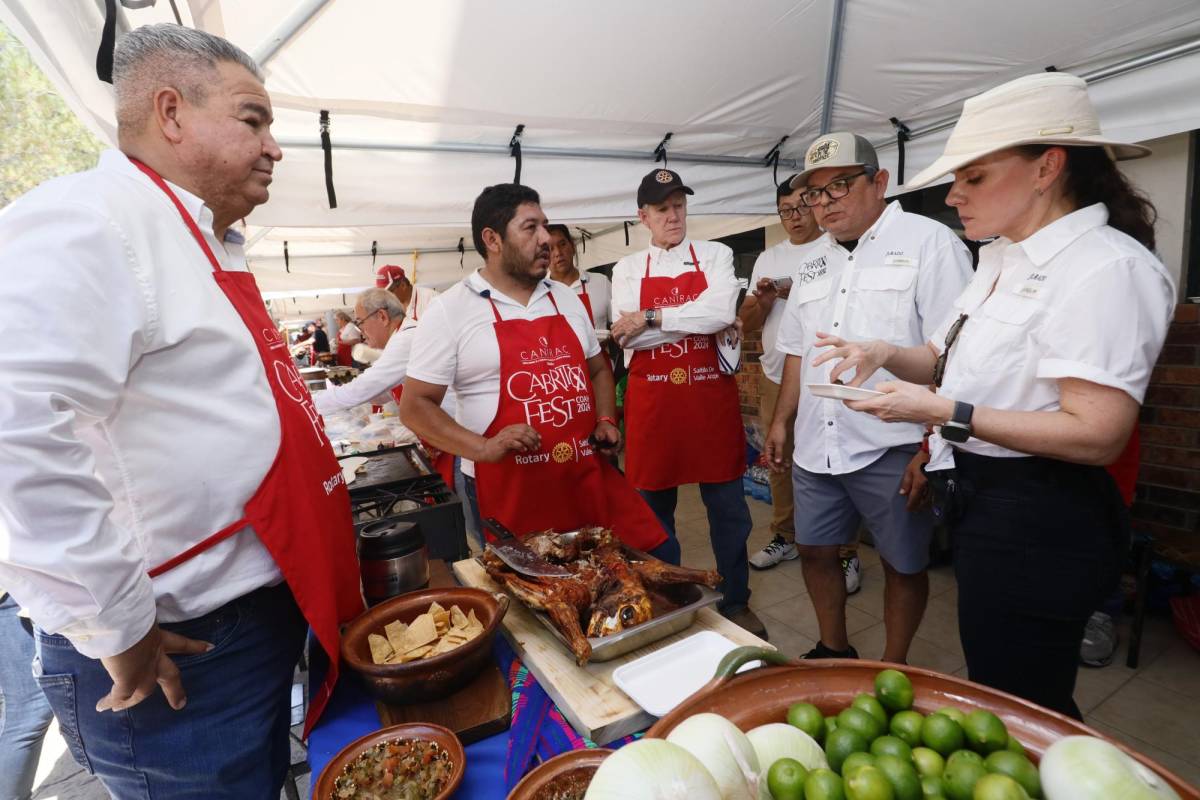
1168	492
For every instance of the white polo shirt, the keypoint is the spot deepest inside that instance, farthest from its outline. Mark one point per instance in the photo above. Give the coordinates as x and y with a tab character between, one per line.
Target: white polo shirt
898	285
135	414
713	311
599	291
455	344
1077	299
422	298
783	260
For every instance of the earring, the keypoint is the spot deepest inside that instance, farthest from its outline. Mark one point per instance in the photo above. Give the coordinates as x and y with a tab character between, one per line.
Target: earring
1038	192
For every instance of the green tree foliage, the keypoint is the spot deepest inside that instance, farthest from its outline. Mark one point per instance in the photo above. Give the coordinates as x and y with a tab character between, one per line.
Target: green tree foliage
40	138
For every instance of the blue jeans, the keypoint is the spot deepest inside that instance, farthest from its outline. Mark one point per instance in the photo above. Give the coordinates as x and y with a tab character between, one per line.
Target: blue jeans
24	713
229	741
729	527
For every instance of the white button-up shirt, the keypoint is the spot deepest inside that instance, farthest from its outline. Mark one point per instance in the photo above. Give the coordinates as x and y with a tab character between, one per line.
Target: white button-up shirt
1077	299
780	261
713	311
897	285
135	414
456	345
599	292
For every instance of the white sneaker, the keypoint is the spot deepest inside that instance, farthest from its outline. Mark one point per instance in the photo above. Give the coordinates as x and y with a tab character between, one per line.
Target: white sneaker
852	569
778	550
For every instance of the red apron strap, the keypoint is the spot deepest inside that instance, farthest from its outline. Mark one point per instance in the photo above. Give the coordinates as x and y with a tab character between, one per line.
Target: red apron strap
183	212
583	284
495	310
554	303
695	261
647	275
200	547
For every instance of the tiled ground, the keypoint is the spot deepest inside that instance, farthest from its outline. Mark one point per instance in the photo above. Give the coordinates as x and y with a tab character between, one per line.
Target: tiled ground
1156	708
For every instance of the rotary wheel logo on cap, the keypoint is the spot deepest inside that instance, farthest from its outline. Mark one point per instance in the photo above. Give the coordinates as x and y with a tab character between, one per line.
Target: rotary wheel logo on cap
664	176
678	375
562	453
823	151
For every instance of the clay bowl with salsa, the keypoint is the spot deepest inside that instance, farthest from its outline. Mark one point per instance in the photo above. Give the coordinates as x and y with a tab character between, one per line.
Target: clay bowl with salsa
564	777
428	678
414	761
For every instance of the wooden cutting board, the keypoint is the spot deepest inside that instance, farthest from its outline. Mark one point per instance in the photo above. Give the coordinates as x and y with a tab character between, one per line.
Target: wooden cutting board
587	696
478	710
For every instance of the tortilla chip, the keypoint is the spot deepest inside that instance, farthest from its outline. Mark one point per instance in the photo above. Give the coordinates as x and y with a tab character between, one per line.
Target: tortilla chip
422	631
381	649
457	618
416	654
394	631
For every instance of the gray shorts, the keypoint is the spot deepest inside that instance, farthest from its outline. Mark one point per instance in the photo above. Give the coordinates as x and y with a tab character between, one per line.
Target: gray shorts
829	509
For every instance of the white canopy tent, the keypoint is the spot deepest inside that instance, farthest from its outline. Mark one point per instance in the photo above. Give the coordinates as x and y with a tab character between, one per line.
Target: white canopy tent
424	100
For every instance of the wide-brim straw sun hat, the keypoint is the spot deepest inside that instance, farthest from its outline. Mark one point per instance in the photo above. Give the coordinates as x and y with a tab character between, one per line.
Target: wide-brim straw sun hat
1046	108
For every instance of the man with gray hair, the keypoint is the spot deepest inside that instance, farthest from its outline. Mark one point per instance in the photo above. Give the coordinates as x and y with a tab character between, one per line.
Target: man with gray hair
171	513
379	315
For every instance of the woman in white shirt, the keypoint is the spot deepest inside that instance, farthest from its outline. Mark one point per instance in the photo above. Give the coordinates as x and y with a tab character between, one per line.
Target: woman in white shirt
1041	372
348	336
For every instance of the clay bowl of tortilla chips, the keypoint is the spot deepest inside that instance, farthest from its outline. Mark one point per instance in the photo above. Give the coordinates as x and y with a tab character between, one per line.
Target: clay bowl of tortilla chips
433	642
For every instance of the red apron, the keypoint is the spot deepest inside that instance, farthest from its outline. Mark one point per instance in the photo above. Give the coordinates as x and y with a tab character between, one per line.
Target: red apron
587	301
683	419
544	383
301	511
344	358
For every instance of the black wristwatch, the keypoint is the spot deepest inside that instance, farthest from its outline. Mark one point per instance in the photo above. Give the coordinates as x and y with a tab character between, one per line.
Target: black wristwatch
958	429
651	317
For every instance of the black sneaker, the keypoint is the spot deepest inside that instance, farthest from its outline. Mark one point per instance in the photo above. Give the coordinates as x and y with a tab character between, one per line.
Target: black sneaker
821	651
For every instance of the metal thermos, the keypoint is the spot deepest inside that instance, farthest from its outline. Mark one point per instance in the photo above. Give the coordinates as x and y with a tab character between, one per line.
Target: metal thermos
392	559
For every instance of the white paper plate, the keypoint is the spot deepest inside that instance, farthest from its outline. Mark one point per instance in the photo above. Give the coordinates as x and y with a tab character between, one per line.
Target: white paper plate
836	391
665	678
350	466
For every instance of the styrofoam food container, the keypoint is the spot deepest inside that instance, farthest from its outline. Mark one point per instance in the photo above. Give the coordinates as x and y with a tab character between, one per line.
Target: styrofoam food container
663	679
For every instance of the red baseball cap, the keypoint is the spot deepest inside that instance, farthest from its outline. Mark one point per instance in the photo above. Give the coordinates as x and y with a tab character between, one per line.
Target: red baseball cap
388	274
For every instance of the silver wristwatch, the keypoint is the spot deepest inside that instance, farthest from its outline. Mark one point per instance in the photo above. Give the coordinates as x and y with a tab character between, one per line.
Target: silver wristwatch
651	316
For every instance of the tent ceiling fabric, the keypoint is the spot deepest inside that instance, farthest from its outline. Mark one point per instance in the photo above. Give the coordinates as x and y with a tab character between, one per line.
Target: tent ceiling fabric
725	78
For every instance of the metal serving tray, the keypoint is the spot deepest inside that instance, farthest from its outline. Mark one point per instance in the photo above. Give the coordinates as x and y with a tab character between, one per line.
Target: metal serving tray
606	648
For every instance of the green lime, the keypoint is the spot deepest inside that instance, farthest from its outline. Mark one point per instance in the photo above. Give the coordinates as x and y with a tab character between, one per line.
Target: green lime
932	789
953	713
1017	767
906	784
830	724
998	787
941	733
960	777
856	760
894	690
869	704
868	783
856	719
985	732
785	779
929	762
891	746
906	725
1014	745
823	784
964	755
840	744
807	718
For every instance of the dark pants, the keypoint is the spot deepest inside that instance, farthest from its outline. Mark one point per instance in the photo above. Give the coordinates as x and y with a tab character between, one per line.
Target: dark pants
729	526
1038	545
229	741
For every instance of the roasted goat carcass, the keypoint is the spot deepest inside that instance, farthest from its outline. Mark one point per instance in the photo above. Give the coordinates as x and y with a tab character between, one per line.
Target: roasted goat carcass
607	591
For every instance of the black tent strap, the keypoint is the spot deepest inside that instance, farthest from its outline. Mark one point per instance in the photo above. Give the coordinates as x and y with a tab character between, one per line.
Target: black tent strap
343	298
626	225
903	134
462	251
287	263
108	41
771	159
584	235
328	148
514	149
660	152
374	253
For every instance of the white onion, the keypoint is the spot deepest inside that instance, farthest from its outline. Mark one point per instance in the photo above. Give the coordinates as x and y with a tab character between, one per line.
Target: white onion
1087	768
652	769
724	751
779	740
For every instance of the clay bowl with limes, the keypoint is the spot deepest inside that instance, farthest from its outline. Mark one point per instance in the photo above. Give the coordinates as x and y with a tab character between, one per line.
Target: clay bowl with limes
427	678
763	695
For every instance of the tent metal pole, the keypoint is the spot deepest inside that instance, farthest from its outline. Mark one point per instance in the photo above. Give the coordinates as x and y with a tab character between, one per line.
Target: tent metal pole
527	151
831	65
1095	76
291	25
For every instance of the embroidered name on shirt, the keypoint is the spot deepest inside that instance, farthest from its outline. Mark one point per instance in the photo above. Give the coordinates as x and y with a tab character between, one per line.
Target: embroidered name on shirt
812	270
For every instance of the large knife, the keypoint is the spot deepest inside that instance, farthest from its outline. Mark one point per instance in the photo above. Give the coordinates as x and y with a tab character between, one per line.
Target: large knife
519	557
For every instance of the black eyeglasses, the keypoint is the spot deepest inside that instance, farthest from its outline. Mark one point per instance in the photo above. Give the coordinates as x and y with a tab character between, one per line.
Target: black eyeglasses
359	322
939	366
835	189
787	212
